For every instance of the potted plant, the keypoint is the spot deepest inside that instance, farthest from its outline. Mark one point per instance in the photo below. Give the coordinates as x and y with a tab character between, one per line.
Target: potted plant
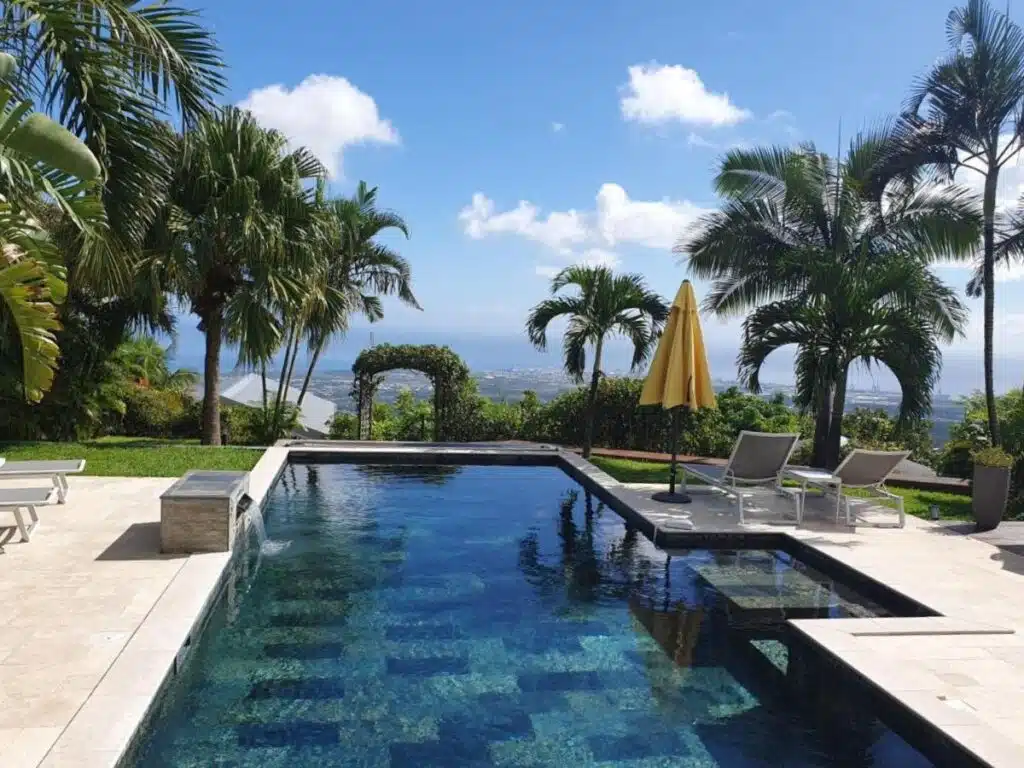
990	487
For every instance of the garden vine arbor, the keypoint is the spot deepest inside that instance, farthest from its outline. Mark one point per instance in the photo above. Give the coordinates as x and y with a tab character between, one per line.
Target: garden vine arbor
445	369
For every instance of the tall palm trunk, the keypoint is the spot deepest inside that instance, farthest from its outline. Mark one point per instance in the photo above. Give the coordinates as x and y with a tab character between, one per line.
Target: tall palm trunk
309	373
595	379
291	352
213	325
989	286
291	365
835	429
822	422
284	371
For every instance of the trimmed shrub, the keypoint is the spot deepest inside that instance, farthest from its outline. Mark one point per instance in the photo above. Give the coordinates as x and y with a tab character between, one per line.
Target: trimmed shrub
159	413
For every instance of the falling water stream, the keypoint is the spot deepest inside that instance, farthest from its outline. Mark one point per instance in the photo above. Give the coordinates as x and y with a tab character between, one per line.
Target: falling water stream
256	520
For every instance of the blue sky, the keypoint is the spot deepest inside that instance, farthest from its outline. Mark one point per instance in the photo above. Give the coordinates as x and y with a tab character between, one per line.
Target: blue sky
519	137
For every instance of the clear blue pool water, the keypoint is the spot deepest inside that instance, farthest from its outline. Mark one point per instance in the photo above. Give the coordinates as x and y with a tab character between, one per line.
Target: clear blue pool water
500	616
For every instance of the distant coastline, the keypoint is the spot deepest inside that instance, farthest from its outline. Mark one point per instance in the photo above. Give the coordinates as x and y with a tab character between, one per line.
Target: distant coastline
336	386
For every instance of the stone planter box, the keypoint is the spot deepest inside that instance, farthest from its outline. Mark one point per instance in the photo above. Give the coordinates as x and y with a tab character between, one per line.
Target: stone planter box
199	512
989	491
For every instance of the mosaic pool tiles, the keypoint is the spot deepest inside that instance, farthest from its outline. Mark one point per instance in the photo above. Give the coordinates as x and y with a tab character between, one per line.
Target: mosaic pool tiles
495	616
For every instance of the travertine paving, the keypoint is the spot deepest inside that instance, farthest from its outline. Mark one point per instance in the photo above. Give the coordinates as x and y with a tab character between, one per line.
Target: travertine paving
94	617
72	598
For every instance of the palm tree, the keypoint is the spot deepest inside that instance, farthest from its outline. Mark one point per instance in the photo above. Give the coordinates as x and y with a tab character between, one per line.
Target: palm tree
607	304
356	271
972	103
144	359
834	260
112	72
237	239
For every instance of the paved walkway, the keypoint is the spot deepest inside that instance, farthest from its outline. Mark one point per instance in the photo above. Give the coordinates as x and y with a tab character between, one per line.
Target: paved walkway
1009	536
90	581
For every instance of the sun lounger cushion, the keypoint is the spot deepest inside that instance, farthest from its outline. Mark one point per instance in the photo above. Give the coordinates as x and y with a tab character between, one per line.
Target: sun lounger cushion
23	497
42	467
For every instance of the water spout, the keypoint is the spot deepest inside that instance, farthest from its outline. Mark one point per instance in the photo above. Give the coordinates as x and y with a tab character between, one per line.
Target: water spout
256	521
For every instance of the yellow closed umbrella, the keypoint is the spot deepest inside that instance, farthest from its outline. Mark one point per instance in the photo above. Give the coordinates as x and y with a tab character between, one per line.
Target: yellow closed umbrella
679	376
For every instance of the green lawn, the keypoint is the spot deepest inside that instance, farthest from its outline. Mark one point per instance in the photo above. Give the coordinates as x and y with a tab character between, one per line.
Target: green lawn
136	457
952	506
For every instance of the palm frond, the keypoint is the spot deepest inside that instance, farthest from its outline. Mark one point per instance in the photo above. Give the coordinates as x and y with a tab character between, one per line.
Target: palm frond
542	315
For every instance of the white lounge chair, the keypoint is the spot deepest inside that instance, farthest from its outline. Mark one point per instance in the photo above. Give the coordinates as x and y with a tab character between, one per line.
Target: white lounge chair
757	458
861	469
57	471
17	499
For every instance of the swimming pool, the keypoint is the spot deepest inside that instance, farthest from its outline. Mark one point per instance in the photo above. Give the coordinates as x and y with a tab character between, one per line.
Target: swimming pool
491	615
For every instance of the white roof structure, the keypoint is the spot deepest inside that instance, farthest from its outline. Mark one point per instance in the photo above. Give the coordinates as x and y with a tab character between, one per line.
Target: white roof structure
314	418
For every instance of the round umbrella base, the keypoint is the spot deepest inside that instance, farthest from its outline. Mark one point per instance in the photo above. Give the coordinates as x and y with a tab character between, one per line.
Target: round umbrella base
671	498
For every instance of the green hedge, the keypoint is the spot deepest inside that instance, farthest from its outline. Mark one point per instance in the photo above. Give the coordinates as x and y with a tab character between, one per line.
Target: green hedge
621	422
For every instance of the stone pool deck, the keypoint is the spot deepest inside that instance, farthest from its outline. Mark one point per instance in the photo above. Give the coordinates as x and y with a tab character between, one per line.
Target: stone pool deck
95	617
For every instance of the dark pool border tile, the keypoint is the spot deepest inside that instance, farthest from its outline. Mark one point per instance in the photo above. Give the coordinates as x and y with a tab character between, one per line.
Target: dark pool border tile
922	735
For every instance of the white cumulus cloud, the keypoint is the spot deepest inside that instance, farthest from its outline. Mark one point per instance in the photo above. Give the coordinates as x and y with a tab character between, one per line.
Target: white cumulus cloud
666	93
585	237
558	230
325	113
654	224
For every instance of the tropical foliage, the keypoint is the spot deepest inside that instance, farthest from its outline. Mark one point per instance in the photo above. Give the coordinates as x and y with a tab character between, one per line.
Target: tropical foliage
833	257
112	74
39	160
876	430
605	305
222	217
970	440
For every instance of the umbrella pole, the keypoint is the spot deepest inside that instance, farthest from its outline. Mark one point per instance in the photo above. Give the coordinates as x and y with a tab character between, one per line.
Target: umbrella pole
671	497
675	442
